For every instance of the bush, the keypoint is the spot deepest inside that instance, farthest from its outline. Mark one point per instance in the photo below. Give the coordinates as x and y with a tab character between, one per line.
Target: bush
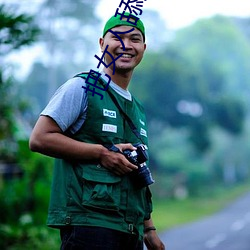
24	204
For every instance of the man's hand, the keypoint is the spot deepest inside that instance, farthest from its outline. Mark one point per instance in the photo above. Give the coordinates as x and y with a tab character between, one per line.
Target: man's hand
152	241
116	162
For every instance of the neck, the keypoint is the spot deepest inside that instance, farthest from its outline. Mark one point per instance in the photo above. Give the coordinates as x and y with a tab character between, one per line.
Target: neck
122	79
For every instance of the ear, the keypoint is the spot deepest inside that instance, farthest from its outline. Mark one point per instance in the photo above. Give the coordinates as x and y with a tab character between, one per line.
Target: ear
145	46
101	43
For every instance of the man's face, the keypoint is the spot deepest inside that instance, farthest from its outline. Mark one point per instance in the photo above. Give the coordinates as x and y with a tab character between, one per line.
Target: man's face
134	48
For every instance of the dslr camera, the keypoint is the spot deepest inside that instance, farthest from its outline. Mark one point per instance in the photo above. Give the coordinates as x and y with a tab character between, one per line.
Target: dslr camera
142	176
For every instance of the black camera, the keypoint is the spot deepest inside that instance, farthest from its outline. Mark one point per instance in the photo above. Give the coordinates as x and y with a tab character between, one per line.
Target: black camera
142	176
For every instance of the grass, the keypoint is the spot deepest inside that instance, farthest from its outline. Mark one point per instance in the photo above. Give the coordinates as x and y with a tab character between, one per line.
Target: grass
170	213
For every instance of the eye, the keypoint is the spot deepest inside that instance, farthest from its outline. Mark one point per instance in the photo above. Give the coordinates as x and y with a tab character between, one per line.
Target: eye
115	38
136	39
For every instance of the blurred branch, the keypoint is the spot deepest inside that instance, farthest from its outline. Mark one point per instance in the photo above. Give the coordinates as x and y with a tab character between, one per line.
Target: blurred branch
15	30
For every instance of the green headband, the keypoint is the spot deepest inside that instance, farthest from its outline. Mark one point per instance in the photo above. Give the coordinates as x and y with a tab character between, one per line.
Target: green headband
116	21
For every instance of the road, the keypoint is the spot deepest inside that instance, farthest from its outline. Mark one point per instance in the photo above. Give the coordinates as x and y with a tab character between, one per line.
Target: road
227	230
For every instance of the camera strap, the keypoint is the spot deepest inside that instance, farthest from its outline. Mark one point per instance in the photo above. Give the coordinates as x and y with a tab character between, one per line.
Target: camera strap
125	116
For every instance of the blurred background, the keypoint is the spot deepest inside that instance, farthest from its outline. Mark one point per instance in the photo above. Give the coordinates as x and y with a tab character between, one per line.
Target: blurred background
194	82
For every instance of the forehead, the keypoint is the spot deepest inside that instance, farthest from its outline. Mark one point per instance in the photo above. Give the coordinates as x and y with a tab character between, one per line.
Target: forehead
124	28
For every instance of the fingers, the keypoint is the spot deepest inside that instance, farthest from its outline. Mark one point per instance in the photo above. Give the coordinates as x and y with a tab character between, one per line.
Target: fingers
120	165
116	162
124	146
120	170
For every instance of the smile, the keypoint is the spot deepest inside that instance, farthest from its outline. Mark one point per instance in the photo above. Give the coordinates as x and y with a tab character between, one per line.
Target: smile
126	56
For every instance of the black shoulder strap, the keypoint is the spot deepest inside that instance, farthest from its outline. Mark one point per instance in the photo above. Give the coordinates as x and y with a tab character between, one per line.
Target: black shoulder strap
126	117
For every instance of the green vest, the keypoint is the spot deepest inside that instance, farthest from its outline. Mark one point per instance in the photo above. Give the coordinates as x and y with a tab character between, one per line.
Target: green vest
86	193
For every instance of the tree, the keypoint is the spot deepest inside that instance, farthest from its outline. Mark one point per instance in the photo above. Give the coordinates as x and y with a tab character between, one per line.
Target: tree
196	96
16	31
193	75
221	52
68	31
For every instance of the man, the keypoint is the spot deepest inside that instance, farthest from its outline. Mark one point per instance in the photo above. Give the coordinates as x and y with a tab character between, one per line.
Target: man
95	202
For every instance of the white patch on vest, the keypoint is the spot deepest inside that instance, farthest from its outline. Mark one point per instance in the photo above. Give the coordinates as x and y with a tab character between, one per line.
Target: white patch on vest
142	122
109	128
143	132
109	113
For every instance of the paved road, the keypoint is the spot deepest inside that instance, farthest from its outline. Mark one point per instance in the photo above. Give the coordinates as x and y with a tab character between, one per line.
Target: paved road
226	230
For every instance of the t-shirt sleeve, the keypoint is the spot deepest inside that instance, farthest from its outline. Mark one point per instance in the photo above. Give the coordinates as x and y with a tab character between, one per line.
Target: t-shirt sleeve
68	105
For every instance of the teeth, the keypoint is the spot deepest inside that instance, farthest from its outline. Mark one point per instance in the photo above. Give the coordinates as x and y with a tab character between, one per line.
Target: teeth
126	56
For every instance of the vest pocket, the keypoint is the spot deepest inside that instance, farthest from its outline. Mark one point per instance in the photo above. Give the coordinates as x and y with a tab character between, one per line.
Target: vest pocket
101	188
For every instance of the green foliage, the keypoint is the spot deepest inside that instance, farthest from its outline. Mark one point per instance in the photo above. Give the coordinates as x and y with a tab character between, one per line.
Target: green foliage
66	47
24	235
243	24
168	74
199	135
24	203
36	81
199	179
8	105
230	114
29	193
15	30
80	9
11	108
68	43
199	79
220	51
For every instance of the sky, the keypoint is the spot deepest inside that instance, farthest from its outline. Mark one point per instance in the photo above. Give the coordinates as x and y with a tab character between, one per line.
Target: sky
181	13
176	14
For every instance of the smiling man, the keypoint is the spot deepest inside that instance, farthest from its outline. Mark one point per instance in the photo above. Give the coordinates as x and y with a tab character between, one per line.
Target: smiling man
96	201
130	50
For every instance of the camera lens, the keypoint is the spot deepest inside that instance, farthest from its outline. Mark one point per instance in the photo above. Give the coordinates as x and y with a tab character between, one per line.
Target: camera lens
144	176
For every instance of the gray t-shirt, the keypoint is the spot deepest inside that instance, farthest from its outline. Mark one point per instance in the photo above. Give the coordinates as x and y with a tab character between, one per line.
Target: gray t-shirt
68	106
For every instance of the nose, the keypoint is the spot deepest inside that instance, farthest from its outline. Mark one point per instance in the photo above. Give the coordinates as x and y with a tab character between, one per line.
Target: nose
126	44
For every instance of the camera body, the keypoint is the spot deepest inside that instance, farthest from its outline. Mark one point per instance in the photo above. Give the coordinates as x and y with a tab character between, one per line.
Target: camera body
142	177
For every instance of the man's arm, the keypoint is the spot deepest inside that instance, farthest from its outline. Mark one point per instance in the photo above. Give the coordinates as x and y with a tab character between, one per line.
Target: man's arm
47	138
151	239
